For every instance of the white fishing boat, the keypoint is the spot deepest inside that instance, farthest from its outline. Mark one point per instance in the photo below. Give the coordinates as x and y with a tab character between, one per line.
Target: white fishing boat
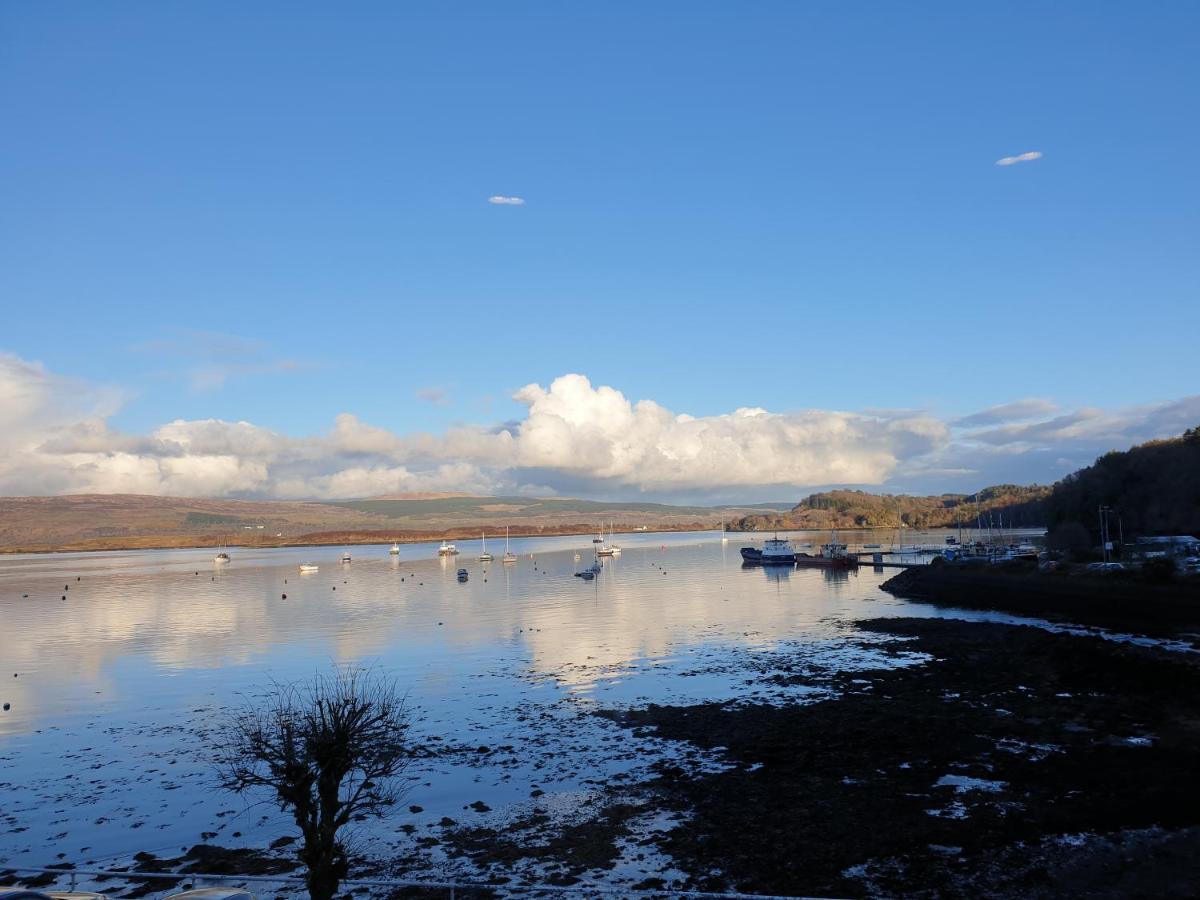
395	551
307	568
346	557
775	552
509	556
222	556
447	550
484	556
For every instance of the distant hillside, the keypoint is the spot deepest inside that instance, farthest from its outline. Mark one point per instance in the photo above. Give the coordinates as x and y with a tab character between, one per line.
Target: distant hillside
1154	488
115	521
458	509
1017	505
105	521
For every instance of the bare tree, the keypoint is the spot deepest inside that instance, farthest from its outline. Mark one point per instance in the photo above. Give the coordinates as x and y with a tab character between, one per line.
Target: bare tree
331	750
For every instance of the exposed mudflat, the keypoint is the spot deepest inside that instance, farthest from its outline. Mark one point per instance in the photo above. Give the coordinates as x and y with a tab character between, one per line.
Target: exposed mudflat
1016	763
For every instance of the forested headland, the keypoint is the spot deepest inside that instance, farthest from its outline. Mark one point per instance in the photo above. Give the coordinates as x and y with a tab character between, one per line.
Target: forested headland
1152	488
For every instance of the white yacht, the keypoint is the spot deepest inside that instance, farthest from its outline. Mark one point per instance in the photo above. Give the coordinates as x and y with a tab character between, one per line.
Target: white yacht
607	549
484	556
346	557
309	567
395	551
447	550
509	556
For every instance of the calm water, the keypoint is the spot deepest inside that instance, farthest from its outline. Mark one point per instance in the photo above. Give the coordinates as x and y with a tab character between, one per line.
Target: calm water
121	687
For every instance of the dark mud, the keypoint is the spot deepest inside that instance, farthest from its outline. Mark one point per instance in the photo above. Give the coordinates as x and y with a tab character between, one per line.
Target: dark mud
566	852
1016	763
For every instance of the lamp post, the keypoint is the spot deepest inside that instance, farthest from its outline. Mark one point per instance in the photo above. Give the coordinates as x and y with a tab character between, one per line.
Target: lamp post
1104	541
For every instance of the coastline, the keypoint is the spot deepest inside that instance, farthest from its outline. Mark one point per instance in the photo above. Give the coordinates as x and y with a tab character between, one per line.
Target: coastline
1122	601
335	538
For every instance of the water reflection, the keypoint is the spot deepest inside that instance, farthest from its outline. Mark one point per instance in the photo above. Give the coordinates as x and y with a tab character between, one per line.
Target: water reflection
139	628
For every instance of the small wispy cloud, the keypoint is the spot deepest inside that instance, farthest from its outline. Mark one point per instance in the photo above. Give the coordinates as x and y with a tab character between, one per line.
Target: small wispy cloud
501	200
209	359
1019	158
1016	411
436	395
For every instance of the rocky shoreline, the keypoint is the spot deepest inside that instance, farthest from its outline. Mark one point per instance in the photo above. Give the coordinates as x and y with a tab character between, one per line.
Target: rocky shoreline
1015	763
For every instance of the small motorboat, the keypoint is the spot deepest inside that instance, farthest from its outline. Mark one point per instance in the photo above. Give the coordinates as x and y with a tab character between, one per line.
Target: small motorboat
586	574
395	551
221	557
463	575
346	557
307	568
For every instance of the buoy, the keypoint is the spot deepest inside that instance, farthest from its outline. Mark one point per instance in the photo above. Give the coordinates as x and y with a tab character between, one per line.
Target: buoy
7	707
284	596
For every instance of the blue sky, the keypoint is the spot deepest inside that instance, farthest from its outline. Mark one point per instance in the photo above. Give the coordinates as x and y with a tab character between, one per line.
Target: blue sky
278	213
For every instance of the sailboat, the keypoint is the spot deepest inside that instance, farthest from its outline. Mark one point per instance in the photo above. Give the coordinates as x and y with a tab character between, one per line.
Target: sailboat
724	536
607	549
222	556
484	556
509	556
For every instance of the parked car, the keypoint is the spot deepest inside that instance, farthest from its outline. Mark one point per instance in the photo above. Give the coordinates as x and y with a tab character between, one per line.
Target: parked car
1105	567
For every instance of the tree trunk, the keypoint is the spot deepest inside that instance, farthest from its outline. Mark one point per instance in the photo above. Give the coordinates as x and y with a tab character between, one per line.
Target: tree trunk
323	879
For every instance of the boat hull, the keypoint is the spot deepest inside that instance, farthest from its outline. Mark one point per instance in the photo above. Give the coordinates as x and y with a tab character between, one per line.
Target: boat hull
757	557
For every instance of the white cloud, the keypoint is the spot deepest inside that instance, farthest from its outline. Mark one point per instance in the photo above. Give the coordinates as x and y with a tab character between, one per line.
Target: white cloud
574	437
501	200
1030	156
